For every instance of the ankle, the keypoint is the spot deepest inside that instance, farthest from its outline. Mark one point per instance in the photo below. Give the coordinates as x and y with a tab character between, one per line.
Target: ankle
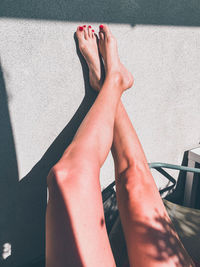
115	77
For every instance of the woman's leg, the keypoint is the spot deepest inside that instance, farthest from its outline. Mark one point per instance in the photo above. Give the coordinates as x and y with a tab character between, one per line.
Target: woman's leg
151	239
75	228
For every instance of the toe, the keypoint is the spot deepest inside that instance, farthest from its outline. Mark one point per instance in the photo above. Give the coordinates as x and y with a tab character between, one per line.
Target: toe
80	33
105	29
101	35
90	31
85	32
93	34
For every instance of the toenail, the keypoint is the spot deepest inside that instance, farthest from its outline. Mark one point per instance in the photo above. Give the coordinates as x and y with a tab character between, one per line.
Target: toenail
89	27
101	27
80	28
84	26
92	30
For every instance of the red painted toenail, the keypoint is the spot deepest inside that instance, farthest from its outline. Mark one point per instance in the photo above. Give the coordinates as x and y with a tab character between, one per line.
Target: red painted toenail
84	26
81	28
92	30
89	27
101	27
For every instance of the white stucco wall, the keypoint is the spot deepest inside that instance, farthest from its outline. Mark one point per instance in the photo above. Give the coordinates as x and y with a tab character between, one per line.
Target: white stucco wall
44	83
45	86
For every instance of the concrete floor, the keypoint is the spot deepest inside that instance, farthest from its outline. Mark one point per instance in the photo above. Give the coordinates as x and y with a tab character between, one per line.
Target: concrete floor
42	88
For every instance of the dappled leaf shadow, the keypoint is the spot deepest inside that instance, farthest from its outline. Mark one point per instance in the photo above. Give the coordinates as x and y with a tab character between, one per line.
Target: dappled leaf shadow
163	237
164	240
186	222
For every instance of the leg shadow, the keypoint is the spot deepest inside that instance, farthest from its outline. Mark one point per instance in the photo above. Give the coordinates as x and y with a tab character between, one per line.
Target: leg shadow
8	178
26	232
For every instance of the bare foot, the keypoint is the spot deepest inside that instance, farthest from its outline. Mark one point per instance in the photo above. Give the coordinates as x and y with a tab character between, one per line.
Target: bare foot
108	49
109	52
89	49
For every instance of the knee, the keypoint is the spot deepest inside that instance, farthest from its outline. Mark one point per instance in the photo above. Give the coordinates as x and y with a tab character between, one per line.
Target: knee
61	170
135	174
54	176
61	173
71	172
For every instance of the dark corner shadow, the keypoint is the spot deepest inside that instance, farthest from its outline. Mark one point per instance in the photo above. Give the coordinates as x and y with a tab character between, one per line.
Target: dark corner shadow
155	12
27	199
8	174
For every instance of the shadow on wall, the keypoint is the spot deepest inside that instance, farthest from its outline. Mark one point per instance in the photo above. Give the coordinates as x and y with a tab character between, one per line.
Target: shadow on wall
168	12
8	175
23	204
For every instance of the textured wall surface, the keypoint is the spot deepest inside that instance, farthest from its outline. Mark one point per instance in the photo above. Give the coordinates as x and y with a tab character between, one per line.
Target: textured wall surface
44	95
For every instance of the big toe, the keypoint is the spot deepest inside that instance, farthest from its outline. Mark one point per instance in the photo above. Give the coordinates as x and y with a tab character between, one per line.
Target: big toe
105	29
80	33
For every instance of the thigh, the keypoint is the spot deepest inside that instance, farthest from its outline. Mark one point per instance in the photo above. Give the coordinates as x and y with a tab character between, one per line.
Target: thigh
75	226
